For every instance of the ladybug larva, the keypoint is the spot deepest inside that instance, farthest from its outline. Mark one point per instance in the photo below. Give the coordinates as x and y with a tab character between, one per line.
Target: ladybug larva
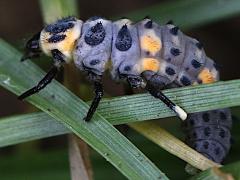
146	55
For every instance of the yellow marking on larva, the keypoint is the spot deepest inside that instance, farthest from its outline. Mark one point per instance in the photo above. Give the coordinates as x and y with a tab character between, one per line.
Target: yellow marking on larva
206	76
69	42
150	64
151	43
65	46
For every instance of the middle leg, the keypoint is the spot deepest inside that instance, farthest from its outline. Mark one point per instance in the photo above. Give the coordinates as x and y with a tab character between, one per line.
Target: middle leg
97	80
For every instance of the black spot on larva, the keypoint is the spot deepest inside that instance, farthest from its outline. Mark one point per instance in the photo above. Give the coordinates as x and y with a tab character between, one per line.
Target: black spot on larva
205	145
123	17
148	24
195	146
58	27
205	117
170	71
199	81
175	51
147	17
223	116
185	81
207	131
147	53
95	35
187	68
199	45
170	22
67	19
124	39
222	133
191	121
127	68
217	151
194	135
168	59
56	38
174	30
195	64
94	62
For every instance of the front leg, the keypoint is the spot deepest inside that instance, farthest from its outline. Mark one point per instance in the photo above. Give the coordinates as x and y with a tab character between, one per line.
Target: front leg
98	95
59	60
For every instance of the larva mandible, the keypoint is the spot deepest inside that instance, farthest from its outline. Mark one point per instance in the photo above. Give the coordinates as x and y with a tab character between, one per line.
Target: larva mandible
147	55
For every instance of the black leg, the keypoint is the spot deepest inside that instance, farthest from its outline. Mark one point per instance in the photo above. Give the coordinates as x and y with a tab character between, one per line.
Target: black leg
42	84
32	48
154	85
98	96
158	94
59	59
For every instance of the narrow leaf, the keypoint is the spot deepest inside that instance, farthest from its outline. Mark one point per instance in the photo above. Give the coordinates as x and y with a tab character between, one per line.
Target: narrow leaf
56	9
227	172
126	109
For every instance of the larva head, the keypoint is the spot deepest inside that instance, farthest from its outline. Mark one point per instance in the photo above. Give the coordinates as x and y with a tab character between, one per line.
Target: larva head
61	35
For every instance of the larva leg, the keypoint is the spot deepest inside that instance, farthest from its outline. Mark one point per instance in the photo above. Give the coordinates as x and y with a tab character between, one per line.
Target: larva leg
32	48
154	85
59	60
98	96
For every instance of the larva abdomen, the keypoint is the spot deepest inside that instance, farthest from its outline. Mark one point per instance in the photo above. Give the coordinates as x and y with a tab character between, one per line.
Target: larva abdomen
209	133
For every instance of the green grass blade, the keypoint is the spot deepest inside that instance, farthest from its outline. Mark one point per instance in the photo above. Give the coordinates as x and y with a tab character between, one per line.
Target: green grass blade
126	109
56	9
222	173
189	13
65	107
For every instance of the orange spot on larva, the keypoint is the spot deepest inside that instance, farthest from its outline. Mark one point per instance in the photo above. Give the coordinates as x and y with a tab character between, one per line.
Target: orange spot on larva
206	76
69	42
151	43
150	64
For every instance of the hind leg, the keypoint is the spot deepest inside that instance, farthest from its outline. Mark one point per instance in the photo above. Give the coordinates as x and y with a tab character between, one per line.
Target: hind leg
154	85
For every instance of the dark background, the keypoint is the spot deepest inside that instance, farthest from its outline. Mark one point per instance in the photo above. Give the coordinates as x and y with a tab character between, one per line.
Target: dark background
21	19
